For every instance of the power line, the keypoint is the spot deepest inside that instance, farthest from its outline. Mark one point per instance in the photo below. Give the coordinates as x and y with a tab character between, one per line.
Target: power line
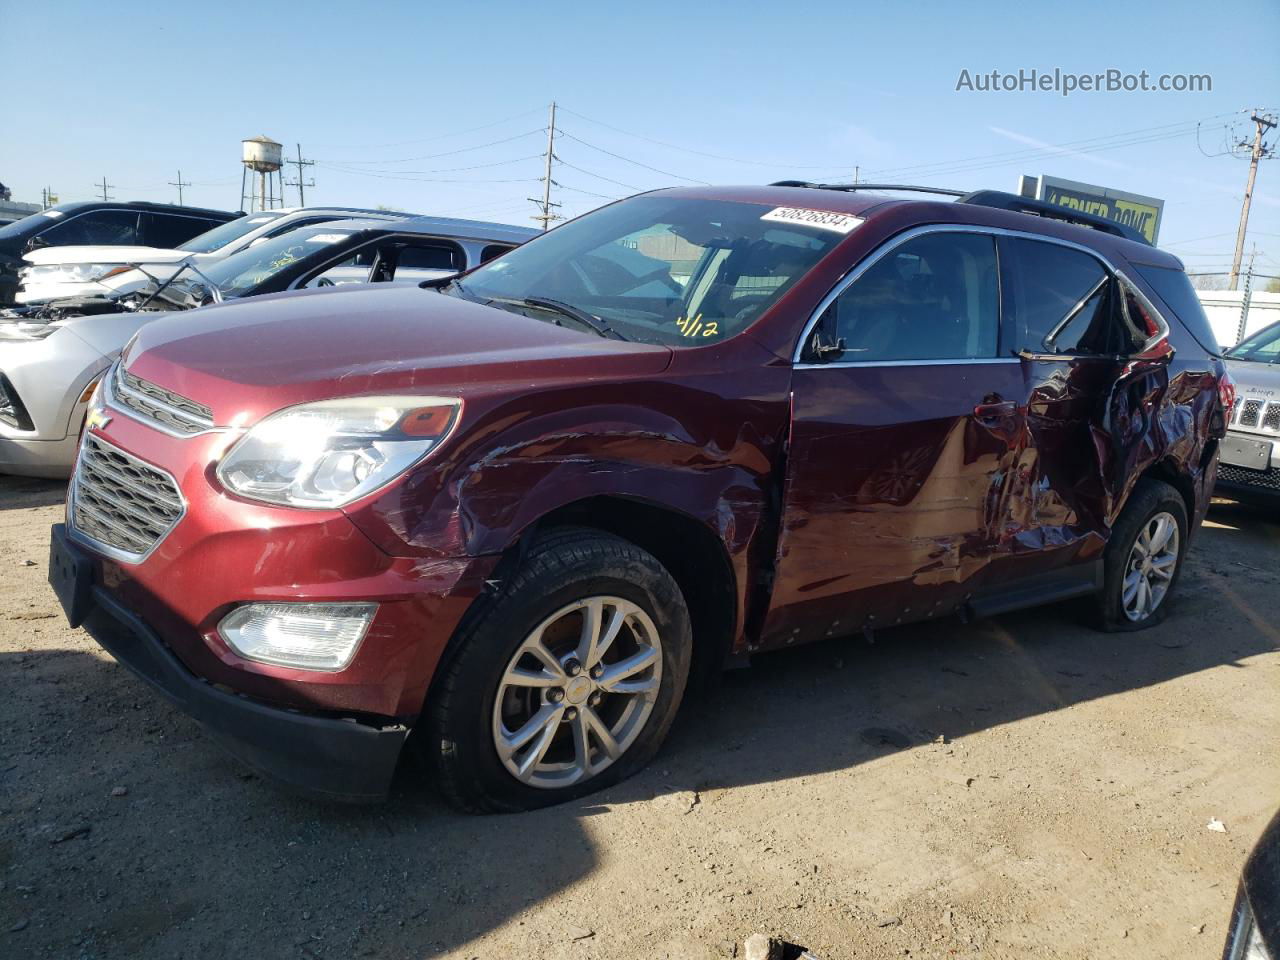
589	173
446	153
475	166
442	136
617	156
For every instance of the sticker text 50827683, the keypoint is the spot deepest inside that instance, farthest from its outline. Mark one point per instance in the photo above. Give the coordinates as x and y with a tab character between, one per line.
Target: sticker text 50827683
822	219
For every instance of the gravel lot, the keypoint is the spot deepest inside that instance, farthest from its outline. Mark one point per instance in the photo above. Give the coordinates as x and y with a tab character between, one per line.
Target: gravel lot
1020	787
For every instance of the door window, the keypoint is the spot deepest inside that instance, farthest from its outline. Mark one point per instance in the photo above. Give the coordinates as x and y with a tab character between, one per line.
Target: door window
436	256
107	227
168	230
1066	301
494	250
935	297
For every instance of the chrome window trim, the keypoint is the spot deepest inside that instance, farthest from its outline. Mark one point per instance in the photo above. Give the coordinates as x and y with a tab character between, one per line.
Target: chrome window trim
115	553
897	240
109	386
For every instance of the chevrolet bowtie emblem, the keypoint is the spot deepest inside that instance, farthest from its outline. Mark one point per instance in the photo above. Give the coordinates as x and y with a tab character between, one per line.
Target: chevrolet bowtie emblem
96	418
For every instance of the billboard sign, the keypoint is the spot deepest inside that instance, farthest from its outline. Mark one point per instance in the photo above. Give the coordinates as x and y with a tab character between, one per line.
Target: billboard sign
1130	209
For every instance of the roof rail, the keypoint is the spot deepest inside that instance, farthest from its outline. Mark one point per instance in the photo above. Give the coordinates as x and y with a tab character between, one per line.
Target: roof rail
1040	208
854	187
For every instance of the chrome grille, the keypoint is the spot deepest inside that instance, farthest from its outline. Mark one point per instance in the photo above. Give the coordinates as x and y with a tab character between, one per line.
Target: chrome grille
1257	414
171	411
1242	477
119	502
1271	421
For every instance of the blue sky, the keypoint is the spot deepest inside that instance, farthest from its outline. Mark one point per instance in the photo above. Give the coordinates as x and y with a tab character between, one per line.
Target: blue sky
440	108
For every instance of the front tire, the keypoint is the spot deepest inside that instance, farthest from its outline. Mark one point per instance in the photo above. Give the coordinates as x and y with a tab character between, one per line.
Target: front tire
1143	558
565	682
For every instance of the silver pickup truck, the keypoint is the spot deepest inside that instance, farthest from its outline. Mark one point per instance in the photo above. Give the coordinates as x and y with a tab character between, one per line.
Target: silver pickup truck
1249	462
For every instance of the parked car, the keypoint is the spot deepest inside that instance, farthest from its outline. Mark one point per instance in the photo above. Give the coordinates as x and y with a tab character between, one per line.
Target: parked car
100	223
1255	921
1250	462
513	512
52	355
54	273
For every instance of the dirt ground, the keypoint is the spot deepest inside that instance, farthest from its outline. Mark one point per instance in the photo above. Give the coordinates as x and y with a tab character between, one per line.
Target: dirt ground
1020	787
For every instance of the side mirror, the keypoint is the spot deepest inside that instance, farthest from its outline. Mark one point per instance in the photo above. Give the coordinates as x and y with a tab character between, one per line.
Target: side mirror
35	243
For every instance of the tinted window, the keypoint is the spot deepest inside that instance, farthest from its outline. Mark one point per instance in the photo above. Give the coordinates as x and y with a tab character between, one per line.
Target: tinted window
167	230
1064	301
430	257
1174	288
494	250
932	298
108	227
221	235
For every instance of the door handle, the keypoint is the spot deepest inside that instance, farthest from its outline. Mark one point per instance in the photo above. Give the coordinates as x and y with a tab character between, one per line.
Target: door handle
996	410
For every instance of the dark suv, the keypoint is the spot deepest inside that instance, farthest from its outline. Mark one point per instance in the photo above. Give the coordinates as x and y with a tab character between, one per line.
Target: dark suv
108	223
513	512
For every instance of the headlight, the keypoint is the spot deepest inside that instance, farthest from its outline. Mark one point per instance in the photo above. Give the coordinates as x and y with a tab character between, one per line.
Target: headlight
310	636
71	272
330	453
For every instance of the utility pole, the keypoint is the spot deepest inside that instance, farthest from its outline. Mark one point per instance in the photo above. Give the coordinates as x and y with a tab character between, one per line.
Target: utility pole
180	183
1248	296
1258	151
105	187
545	203
301	165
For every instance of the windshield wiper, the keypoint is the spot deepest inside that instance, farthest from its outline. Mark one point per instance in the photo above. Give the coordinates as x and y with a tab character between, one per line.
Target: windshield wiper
573	313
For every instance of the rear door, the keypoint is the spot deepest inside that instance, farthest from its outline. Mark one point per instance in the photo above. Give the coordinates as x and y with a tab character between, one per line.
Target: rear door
1090	391
905	431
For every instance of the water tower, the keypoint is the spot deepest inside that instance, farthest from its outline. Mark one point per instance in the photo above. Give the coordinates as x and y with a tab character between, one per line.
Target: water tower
261	156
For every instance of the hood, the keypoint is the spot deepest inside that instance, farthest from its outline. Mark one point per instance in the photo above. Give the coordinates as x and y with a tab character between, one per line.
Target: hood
1255	379
92	253
249	358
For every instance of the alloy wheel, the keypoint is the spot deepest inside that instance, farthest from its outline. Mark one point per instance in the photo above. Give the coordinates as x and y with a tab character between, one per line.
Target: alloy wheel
577	692
1151	566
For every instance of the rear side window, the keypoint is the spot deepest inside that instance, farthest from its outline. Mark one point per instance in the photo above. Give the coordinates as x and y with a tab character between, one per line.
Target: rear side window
935	297
1065	301
107	227
494	250
430	257
1174	288
167	230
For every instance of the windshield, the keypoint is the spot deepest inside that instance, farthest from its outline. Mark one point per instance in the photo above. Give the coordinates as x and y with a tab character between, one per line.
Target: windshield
671	270
220	236
1262	347
241	272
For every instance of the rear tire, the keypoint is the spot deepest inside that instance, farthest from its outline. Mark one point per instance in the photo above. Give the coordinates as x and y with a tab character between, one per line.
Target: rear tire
1143	559
514	676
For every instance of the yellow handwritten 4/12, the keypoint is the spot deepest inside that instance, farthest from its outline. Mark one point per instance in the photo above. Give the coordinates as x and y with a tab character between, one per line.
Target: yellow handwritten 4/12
694	327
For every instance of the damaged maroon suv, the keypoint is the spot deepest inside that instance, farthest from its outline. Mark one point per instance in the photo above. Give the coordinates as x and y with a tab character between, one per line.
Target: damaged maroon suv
507	517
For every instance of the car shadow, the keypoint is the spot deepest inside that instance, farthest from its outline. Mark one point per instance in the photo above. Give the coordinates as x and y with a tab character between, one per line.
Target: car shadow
201	852
20	492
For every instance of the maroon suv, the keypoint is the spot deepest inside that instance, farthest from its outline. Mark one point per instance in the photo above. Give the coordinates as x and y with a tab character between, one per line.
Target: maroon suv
513	513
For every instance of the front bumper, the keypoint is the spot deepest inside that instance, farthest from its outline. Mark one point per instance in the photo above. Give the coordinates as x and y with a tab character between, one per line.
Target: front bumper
38	458
1248	482
336	758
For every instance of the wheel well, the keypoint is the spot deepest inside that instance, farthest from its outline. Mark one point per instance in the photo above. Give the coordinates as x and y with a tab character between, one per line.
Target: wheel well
692	553
1167	472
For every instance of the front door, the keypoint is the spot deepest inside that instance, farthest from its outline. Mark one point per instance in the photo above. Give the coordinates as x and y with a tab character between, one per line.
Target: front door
906	429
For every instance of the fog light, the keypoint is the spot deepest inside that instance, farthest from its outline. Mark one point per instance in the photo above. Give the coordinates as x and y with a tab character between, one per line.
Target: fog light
310	636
